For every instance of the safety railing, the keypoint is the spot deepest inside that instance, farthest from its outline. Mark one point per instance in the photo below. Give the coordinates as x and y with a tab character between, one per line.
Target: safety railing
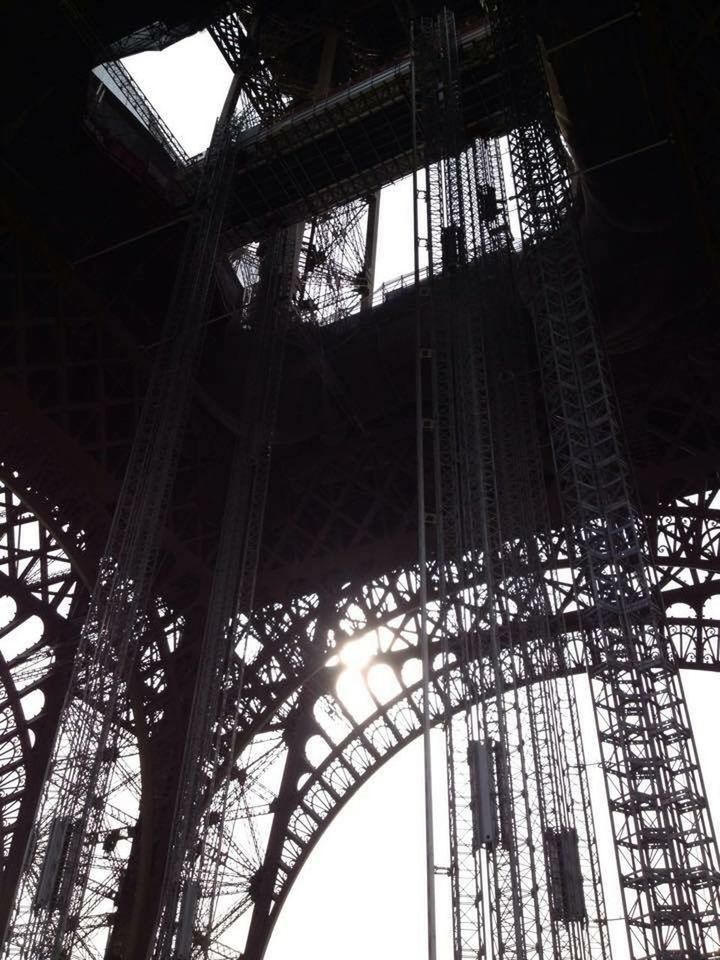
117	78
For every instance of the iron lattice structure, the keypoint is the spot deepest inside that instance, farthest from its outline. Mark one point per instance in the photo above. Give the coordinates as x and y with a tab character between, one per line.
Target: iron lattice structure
524	863
177	731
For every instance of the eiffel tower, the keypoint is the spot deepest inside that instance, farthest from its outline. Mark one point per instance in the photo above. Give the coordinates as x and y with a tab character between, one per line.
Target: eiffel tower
232	463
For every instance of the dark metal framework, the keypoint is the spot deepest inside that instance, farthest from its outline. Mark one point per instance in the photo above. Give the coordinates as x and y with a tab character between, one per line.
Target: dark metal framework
507	626
665	844
522	839
83	770
335	751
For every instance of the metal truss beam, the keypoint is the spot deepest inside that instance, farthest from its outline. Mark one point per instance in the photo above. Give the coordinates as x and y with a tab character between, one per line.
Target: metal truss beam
346	146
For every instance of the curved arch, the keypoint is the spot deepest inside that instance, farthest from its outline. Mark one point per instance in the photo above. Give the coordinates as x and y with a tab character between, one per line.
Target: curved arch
328	788
43	575
39	637
685	538
37	458
289	680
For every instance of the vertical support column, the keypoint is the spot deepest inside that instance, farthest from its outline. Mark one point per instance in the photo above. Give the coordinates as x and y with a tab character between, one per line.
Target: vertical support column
510	885
300	727
326	65
79	775
664	839
193	871
371	241
196	862
467	523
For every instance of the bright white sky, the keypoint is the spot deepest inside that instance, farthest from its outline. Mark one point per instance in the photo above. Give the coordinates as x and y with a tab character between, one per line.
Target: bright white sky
362	893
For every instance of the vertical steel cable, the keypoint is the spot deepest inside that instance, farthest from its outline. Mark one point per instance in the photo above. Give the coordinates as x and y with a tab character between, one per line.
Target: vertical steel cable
424	642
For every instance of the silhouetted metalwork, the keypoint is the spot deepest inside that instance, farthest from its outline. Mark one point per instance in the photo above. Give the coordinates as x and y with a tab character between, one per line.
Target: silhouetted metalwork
251	650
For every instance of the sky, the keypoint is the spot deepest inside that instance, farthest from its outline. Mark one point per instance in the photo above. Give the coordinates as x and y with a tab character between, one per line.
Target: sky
362	892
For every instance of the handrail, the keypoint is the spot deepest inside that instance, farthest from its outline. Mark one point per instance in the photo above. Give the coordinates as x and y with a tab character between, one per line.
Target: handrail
297	115
134	98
